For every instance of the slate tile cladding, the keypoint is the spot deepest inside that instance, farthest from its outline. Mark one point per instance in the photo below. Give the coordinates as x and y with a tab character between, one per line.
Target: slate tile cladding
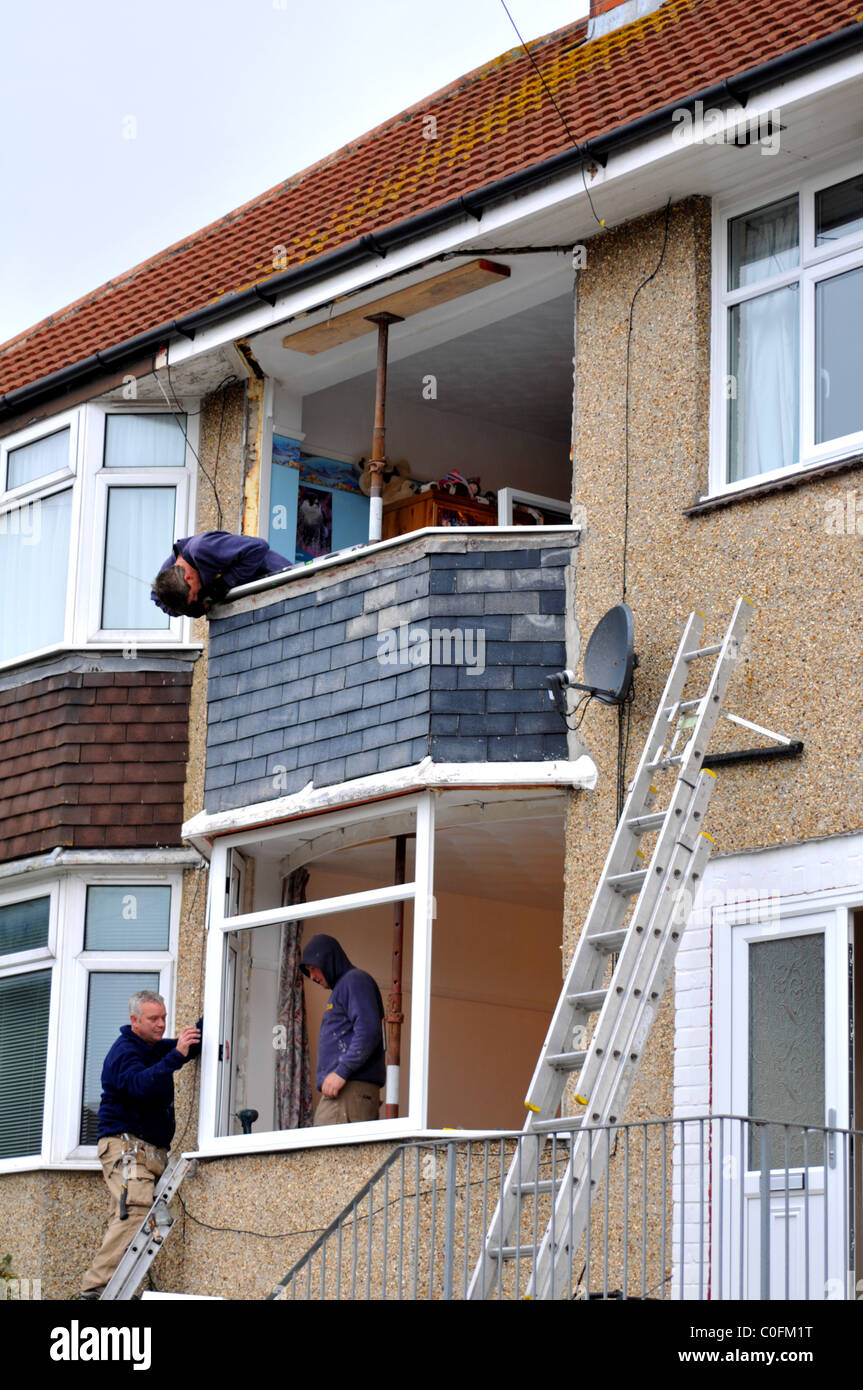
299	689
93	760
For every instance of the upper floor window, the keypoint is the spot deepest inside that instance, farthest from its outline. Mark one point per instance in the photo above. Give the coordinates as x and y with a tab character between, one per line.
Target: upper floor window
791	300
90	504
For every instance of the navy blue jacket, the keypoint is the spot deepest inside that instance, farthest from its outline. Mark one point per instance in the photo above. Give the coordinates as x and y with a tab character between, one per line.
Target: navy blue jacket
223	561
138	1087
351	1041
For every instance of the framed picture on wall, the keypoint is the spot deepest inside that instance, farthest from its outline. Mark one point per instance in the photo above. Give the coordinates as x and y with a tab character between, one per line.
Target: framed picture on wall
314	523
316	504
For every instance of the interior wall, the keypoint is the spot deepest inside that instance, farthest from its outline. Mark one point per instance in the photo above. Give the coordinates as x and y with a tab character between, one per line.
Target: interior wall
432	440
495	981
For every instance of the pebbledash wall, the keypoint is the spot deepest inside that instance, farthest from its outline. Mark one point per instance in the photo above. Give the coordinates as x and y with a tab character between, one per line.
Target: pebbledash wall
436	646
800	672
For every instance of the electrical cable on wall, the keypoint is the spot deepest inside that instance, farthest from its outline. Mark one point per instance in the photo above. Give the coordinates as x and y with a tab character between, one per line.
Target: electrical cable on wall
176	410
624	713
646	281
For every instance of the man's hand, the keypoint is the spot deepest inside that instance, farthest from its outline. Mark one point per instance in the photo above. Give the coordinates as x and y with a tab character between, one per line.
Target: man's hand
332	1085
188	1037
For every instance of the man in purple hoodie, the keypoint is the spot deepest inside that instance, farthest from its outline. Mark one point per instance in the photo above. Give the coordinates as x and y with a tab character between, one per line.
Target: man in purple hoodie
203	568
351	1047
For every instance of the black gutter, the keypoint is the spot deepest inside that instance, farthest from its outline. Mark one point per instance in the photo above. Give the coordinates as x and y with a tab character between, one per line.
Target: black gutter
738	88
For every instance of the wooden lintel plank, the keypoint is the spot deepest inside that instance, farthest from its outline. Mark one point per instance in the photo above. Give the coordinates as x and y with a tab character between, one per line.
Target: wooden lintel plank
343	328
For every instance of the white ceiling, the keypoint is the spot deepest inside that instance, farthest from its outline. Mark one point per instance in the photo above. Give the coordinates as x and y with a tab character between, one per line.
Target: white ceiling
516	373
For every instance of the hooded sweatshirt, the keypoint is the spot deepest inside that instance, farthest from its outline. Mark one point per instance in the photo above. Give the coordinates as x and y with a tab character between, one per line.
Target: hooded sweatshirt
223	561
351	1041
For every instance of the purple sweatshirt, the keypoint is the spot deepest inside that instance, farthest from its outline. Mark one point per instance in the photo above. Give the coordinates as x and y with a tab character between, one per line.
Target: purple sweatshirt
223	561
351	1041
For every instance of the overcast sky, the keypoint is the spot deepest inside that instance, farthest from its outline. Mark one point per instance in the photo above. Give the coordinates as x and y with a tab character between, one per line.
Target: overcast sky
128	126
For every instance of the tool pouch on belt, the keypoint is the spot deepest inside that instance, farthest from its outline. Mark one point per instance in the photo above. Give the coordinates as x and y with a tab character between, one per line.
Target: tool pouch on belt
141	1165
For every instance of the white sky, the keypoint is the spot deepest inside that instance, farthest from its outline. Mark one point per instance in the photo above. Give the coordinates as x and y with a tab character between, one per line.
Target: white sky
226	98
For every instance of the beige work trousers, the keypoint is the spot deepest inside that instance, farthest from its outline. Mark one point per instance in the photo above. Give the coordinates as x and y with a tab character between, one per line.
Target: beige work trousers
357	1100
145	1165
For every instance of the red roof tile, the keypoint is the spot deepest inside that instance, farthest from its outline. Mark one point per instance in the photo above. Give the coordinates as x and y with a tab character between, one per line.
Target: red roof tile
495	121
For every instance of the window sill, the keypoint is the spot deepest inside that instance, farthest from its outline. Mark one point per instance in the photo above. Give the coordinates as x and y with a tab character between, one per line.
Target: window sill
791	480
330	1136
41	1165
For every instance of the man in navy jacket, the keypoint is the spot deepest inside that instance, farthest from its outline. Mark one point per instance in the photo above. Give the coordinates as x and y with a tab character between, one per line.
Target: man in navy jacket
136	1124
203	568
351	1051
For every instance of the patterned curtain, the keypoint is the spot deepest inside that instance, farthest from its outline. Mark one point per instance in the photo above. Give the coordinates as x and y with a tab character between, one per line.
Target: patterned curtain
293	1075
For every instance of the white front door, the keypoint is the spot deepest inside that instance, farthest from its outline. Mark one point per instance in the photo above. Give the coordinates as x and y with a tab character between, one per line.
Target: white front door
782	1044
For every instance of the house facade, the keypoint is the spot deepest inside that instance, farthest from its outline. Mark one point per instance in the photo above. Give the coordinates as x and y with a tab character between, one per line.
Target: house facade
644	347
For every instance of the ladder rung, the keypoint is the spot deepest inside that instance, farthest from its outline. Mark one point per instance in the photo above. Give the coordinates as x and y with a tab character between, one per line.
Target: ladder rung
627	883
567	1061
640	825
511	1252
683	705
661	763
590	1001
564	1124
544	1188
702	651
608	941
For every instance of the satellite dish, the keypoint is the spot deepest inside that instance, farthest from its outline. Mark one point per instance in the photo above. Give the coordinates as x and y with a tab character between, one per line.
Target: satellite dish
610	657
608	662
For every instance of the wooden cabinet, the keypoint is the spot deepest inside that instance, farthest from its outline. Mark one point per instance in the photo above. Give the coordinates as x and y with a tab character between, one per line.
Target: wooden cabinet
437	508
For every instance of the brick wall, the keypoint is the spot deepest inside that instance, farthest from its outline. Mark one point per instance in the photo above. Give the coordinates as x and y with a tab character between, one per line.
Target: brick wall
93	759
300	688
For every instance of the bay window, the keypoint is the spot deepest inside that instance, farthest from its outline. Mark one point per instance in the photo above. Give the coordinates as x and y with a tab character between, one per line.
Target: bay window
90	505
790	298
72	950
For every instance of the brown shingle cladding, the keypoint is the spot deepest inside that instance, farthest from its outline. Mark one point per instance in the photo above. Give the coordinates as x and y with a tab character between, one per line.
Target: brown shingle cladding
93	760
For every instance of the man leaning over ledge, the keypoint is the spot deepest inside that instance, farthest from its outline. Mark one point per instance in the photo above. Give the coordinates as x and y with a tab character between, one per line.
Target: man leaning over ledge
136	1124
204	568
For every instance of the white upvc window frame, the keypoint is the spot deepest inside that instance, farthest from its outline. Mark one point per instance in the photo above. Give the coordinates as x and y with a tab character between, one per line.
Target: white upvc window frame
816	263
71	967
49	482
419	891
90	482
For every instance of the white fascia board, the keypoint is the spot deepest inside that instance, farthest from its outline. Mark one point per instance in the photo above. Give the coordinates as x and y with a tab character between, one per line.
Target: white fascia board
203	828
569	190
72	860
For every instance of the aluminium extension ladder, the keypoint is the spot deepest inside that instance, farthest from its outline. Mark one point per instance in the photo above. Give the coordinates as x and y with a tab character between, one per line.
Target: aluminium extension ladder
155	1229
628	1005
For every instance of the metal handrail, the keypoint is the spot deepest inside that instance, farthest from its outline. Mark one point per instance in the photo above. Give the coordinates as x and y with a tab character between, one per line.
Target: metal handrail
693	1207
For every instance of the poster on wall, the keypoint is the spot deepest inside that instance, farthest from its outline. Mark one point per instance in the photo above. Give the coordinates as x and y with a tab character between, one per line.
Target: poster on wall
314	523
316	504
